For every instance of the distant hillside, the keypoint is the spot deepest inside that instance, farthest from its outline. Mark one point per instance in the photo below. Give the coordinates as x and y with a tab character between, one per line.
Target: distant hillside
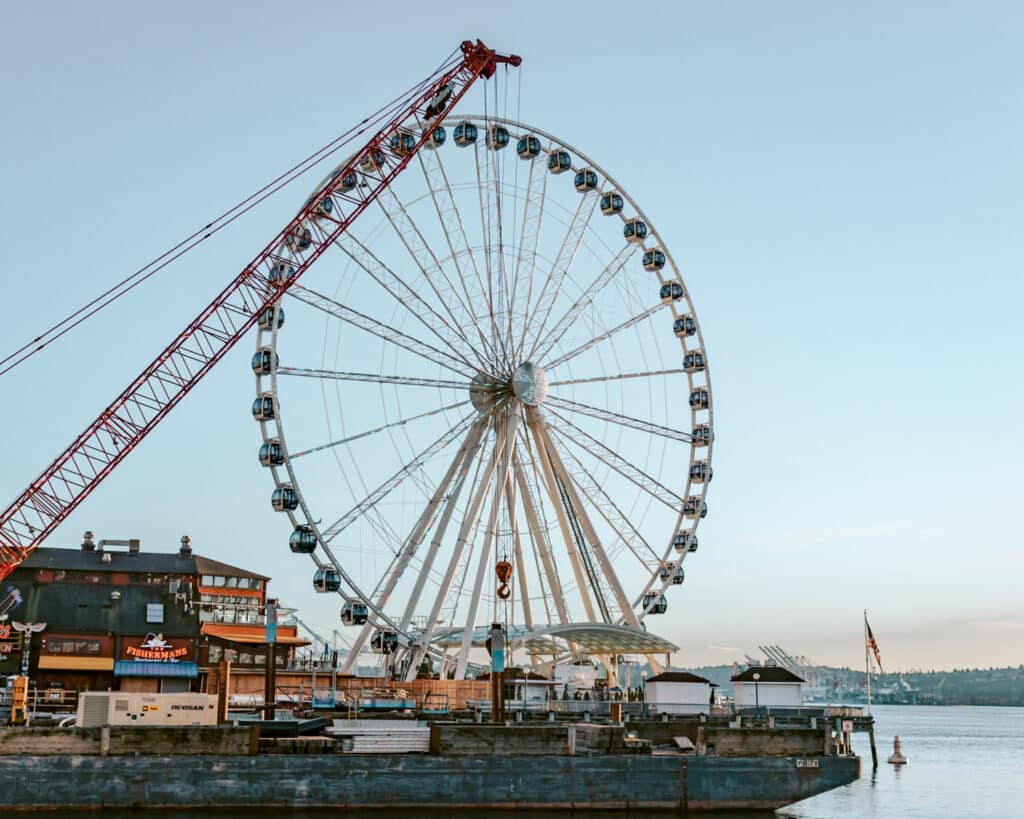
975	686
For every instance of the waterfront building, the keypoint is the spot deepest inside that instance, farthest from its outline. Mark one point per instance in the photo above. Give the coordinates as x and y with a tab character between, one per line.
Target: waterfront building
767	686
678	692
119	618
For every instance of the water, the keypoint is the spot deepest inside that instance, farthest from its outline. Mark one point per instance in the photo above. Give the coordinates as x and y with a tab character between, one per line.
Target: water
965	762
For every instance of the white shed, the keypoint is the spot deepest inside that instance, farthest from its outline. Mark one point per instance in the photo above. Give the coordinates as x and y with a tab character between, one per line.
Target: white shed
768	686
678	692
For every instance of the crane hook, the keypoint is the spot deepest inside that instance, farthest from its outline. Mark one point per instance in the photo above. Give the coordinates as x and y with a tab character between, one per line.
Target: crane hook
504	571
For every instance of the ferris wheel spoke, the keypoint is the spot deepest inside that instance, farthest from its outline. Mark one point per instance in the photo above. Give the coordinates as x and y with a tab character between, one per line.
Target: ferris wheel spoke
623	420
382	491
630	322
539	537
541	311
526	261
447	330
404	556
616	377
494	255
611	458
454	230
604	569
373	378
376	328
606	506
430	267
400	422
586	298
465	532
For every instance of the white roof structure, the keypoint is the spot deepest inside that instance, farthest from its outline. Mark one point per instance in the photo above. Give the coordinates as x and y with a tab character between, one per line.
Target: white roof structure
595	638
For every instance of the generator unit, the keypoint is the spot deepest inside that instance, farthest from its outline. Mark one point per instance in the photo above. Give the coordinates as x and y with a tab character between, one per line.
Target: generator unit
99	708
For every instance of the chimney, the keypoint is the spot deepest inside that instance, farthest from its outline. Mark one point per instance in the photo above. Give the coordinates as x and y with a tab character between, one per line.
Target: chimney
88	544
186	546
133	546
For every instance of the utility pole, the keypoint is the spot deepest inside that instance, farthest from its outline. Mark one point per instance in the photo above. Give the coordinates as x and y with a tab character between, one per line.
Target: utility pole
270	678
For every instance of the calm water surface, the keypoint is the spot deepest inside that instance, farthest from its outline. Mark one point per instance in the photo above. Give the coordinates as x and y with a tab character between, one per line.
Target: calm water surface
965	762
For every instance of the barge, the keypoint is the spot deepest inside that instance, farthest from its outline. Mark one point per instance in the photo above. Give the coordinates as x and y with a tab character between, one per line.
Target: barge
676	765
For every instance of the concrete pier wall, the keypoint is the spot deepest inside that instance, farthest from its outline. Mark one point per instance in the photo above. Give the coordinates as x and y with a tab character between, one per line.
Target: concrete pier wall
128	741
351	781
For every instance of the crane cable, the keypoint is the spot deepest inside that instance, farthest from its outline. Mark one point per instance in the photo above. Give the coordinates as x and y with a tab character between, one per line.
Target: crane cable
148	270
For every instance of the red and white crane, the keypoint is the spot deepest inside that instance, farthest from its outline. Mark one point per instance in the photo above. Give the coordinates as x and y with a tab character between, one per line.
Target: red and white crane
105	442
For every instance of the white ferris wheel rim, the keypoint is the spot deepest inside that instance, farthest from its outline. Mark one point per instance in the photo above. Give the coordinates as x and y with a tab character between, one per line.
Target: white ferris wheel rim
324	556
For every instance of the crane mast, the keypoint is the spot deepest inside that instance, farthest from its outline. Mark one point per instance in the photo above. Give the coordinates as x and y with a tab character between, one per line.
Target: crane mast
130	417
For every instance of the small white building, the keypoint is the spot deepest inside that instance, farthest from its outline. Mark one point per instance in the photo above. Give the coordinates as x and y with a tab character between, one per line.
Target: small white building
678	692
770	686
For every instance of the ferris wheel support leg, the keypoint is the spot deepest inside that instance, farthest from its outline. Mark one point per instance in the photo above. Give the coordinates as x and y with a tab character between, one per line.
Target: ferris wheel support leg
532	421
533	521
460	468
468	525
517	544
602	558
505	445
413	542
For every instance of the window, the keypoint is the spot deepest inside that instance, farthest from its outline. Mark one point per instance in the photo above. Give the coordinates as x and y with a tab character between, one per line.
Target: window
254	583
68	645
207	580
218	580
216	654
232	583
154	612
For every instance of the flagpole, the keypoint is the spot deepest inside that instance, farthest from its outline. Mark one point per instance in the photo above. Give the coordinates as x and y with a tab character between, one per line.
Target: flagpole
867	660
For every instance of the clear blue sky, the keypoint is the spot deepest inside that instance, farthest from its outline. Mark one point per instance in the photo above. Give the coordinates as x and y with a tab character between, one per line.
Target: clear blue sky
841	186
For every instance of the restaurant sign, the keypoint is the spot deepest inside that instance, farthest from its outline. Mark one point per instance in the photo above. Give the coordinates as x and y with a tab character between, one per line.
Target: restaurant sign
155	647
10	641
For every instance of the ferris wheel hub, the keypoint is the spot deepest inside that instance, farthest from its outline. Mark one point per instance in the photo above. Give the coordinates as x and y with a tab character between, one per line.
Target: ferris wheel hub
530	384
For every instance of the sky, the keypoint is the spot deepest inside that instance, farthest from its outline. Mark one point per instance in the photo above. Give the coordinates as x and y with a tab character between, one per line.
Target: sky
840	186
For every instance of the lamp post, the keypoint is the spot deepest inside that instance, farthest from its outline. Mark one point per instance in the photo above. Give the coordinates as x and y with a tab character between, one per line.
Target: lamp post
757	699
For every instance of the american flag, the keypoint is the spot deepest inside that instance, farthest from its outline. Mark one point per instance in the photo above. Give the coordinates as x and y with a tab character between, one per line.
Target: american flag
874	646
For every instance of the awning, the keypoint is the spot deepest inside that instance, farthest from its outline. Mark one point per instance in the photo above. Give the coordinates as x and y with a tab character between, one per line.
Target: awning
54	662
153	668
251	636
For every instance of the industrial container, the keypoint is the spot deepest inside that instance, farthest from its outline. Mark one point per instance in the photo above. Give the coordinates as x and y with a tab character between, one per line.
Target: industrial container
99	708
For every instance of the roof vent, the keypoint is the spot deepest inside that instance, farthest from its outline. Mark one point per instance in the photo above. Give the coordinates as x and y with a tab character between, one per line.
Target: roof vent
106	557
186	546
88	543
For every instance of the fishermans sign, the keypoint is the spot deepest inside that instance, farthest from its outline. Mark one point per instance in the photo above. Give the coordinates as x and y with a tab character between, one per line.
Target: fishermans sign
154	647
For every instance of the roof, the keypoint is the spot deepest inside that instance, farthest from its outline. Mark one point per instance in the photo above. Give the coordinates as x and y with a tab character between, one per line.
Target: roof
76	560
678	677
206	565
152	668
595	638
249	635
768	674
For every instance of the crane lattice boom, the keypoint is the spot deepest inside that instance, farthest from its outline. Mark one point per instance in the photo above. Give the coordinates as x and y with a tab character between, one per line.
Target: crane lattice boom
117	430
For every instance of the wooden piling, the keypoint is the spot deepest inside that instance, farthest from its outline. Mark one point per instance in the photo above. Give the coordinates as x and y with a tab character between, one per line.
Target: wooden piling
874	751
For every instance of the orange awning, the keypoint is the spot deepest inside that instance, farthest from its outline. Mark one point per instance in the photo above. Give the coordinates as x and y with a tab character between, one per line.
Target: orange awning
54	662
249	635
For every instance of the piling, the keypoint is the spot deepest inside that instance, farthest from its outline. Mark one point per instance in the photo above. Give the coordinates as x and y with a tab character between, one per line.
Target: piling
874	751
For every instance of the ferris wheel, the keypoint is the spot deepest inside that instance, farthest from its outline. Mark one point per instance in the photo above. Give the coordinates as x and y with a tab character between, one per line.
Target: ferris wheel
489	401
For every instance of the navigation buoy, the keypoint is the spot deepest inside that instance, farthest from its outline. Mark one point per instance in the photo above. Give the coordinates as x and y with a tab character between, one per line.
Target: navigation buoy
897	757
